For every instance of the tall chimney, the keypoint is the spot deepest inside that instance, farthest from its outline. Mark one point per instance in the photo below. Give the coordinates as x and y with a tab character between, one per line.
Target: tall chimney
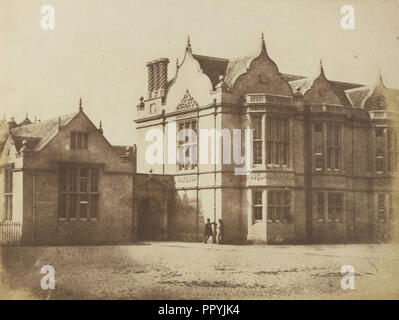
150	77
157	77
163	73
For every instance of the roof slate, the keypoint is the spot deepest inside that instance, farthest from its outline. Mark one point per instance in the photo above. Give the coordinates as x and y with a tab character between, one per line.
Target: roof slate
41	131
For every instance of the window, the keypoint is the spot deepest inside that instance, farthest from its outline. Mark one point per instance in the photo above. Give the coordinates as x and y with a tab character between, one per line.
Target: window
8	193
333	146
279	206
335	206
381	207
391	206
277	141
392	150
320	206
79	140
386	150
385	206
187	145
319	146
379	132
78	193
256	122
153	108
258	205
379	149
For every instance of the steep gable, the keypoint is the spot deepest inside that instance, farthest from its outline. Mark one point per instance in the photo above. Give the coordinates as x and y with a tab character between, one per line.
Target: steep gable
321	92
259	74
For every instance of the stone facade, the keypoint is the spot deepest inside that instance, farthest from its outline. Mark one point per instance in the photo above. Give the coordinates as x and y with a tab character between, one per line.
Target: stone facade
324	161
90	179
320	173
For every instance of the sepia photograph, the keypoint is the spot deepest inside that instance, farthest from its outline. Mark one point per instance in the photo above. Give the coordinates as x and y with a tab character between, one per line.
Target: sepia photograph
199	150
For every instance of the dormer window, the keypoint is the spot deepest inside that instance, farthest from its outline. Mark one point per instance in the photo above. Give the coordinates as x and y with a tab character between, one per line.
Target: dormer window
79	140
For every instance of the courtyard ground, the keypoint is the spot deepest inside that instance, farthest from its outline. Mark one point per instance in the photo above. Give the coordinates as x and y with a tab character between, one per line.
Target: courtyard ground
175	270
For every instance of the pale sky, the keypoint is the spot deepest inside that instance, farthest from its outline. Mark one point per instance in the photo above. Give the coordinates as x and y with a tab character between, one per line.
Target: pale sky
99	48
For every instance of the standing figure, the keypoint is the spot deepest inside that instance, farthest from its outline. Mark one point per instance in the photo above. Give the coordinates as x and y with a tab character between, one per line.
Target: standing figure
220	232
208	230
214	232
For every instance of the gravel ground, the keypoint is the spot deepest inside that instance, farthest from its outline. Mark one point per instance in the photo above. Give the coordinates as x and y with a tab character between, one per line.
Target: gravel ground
175	270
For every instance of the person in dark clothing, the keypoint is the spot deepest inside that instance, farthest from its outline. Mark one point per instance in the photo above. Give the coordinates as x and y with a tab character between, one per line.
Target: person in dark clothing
208	230
220	232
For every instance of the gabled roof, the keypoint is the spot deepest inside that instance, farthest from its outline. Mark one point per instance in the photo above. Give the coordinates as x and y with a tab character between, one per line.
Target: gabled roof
212	67
38	134
338	88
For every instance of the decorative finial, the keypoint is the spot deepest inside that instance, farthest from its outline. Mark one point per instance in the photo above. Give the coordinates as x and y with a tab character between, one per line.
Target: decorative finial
188	48
321	66
263	43
380	76
80	105
100	129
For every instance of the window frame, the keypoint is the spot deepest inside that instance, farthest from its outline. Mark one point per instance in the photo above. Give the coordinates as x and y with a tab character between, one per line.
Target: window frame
333	207
283	206
67	192
8	193
257	138
277	141
79	140
256	206
327	146
187	145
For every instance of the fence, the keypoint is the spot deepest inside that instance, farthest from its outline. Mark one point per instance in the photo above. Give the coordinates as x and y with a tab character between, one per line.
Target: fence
10	233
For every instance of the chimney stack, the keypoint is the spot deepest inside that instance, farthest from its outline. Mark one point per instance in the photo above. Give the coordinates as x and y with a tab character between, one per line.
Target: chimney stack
157	77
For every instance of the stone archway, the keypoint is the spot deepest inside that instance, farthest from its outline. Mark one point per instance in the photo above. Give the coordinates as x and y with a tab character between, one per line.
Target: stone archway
151	194
150	219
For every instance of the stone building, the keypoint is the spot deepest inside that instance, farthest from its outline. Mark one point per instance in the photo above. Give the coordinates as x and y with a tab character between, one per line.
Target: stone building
324	161
324	152
64	182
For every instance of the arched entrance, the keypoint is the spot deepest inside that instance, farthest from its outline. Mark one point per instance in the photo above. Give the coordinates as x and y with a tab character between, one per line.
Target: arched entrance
150	219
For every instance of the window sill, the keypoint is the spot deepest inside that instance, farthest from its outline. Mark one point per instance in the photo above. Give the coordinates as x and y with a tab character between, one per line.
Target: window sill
279	221
77	220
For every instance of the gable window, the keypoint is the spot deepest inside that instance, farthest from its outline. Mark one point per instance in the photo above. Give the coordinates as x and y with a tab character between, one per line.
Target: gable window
258	205
277	141
256	122
187	145
79	140
8	190
78	193
279	206
335	206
